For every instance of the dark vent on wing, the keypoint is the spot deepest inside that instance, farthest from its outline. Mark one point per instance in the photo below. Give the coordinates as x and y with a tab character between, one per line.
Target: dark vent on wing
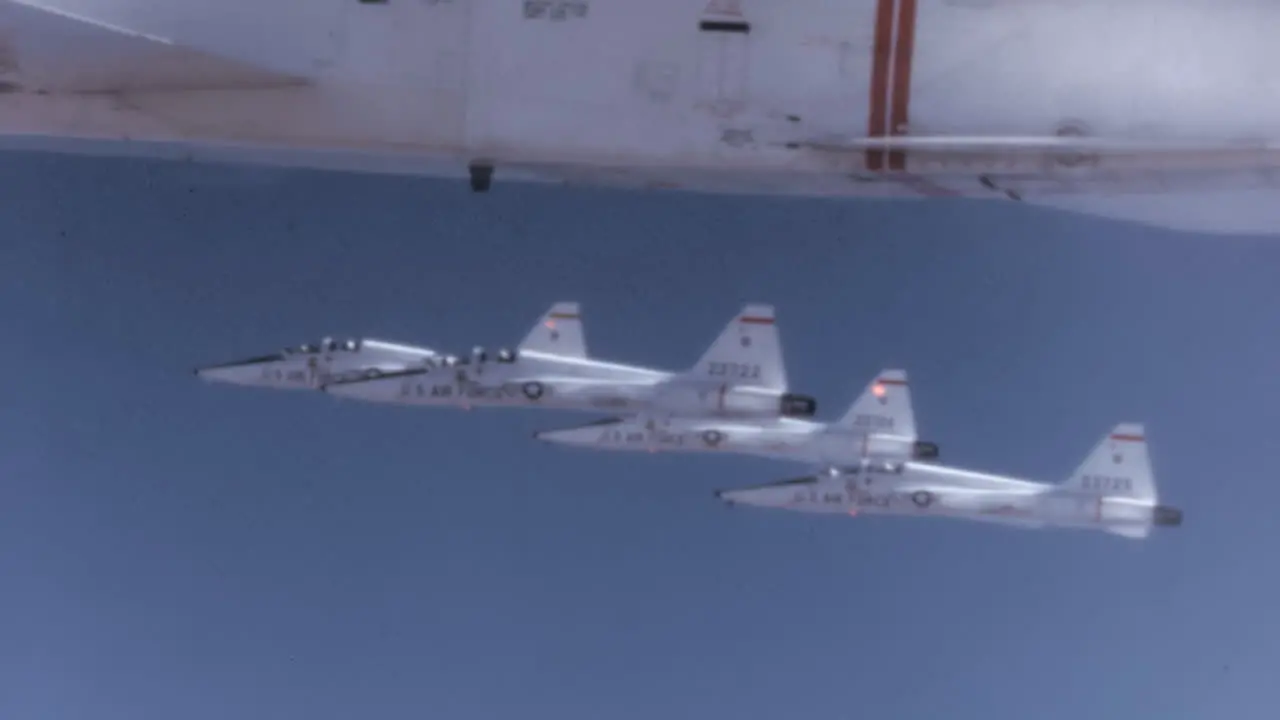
735	26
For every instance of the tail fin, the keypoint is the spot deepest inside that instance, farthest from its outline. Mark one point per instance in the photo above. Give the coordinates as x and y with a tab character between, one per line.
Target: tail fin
558	332
883	407
747	352
1117	467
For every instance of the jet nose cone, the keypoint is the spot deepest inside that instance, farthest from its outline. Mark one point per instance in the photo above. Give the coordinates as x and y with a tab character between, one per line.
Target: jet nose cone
587	435
273	371
763	497
728	497
549	436
234	374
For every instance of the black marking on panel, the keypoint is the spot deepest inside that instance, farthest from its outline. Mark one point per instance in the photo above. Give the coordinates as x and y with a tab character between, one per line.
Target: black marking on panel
736	26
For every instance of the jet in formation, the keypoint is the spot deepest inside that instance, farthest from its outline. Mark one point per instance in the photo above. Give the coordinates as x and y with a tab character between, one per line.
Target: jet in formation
871	461
879	427
995	100
734	400
1113	490
741	375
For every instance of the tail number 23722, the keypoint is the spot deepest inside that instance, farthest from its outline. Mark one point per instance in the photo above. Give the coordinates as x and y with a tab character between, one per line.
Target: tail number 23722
738	371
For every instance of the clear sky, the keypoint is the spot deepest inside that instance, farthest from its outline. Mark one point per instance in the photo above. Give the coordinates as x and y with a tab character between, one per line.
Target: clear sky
171	549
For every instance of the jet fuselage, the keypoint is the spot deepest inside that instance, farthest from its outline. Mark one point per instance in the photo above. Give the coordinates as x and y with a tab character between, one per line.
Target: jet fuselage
534	379
927	490
784	438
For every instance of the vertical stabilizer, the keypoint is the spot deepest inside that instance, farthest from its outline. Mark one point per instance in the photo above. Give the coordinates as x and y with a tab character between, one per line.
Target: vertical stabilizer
1118	467
747	352
883	407
558	332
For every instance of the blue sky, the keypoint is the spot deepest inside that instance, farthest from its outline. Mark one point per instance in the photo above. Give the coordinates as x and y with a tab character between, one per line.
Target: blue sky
175	549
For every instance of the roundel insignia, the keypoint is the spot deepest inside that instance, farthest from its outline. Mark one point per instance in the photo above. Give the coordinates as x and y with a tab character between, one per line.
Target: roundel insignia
745	340
922	498
532	390
712	437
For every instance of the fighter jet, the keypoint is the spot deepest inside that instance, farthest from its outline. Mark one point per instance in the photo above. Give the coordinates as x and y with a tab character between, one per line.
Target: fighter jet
1113	491
878	427
310	366
741	375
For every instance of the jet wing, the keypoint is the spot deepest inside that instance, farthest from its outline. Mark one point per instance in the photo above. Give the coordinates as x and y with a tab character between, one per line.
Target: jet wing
49	51
1065	144
1049	161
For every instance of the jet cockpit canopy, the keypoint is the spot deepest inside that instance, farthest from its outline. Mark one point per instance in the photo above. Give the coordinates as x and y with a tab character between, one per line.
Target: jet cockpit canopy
478	356
504	355
327	345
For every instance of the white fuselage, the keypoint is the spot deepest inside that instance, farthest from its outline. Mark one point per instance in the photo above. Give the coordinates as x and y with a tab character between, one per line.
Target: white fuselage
784	438
1088	105
312	366
535	379
927	490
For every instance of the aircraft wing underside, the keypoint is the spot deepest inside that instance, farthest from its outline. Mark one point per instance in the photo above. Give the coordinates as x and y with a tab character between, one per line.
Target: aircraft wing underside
436	88
1221	191
46	51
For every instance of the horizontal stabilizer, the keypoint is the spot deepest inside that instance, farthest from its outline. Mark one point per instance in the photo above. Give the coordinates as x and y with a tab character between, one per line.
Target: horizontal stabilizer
558	332
48	51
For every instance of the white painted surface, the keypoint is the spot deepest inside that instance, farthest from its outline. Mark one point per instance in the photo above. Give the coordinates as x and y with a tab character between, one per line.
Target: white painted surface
633	94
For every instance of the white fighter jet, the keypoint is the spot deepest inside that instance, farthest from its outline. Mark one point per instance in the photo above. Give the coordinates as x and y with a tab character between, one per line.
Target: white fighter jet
1163	113
741	375
310	366
1113	490
879	427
